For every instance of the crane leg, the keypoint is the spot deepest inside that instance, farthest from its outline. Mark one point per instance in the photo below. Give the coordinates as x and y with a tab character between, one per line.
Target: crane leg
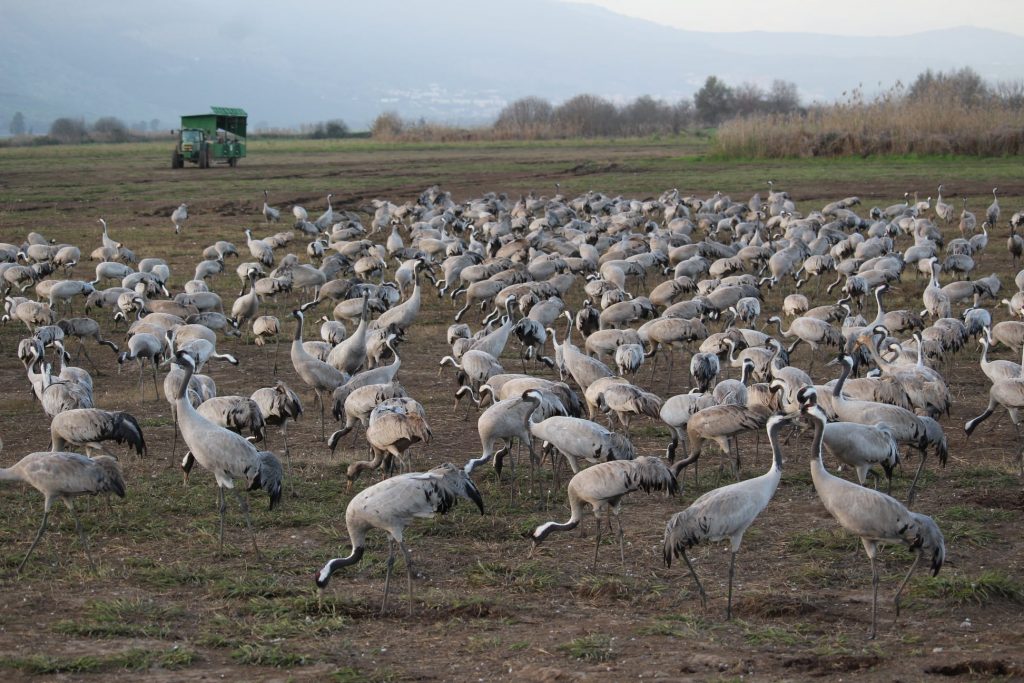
387	574
874	597
320	400
732	572
223	508
81	532
693	573
174	441
622	543
156	391
408	571
903	584
35	542
244	504
597	542
913	484
142	384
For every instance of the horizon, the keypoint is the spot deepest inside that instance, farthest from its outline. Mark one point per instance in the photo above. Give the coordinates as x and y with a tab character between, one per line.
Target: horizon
905	18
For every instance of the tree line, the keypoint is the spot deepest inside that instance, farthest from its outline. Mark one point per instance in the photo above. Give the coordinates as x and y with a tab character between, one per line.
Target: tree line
588	115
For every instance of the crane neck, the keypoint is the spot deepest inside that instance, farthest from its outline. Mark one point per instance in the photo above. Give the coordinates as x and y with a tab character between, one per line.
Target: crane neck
298	329
188	371
837	391
541	532
745	372
818	471
324	575
731	353
882	364
773	439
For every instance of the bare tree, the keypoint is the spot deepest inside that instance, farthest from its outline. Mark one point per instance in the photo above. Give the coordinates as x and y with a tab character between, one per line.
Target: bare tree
782	98
68	130
526	117
646	116
110	129
586	116
17	126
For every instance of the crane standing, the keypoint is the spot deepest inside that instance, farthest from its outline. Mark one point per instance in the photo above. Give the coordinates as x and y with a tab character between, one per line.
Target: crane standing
872	515
725	513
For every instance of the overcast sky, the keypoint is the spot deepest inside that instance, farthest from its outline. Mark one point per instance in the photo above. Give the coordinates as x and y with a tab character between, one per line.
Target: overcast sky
862	18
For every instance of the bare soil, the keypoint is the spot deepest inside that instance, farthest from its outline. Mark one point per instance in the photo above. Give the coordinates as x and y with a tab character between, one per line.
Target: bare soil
163	601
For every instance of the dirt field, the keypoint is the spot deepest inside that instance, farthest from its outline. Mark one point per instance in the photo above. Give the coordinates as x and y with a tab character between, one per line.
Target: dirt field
163	602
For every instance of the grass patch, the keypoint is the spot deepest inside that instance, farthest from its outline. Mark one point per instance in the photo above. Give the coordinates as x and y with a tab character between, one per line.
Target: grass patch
528	577
594	647
267	655
977	477
129	618
773	635
817	541
984	589
131	660
351	674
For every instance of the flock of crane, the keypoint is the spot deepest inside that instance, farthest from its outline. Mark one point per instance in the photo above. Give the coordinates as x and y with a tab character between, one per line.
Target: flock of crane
521	263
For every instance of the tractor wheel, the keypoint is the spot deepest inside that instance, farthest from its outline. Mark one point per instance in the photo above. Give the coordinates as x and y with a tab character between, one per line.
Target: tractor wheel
233	161
176	160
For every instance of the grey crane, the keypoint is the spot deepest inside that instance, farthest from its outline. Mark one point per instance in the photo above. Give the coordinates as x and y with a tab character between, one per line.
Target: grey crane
178	217
603	487
143	346
64	476
704	368
628	359
264	328
270	214
236	413
943	210
321	377
992	213
578	439
229	456
1008	393
505	421
260	250
391	505
108	241
861	446
279	404
350	354
359	403
326	219
725	513
394	426
627	400
872	515
88	427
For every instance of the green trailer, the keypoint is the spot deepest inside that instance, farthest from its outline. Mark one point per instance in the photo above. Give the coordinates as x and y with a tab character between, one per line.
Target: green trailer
206	139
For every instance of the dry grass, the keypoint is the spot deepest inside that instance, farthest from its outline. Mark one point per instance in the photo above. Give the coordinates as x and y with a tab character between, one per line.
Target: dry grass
889	124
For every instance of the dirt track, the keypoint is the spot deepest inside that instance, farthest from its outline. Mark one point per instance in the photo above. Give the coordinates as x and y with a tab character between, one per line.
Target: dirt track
162	600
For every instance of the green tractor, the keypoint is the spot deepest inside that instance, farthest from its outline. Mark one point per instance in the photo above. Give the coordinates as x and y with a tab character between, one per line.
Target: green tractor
206	139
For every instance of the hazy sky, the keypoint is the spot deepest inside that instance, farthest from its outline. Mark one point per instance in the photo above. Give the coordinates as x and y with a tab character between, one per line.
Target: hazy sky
862	18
